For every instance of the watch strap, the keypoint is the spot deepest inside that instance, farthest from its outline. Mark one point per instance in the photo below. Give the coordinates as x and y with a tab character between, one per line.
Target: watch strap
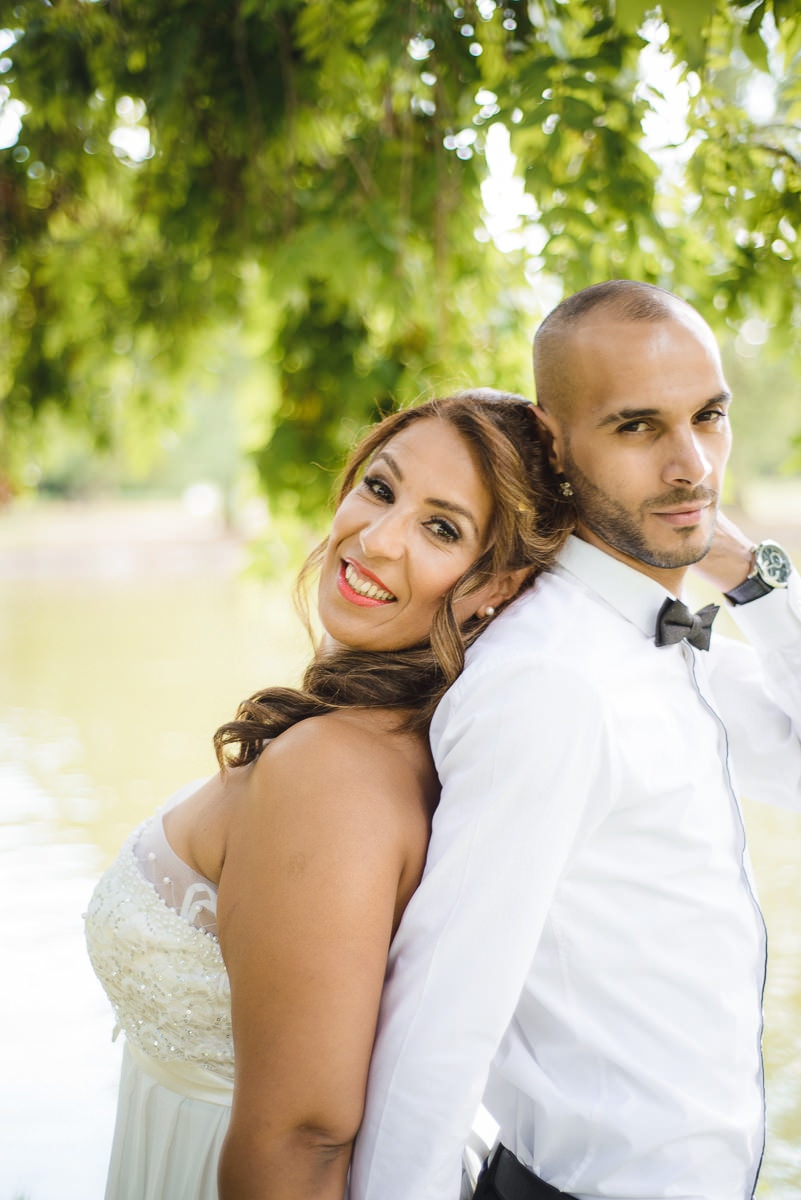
750	589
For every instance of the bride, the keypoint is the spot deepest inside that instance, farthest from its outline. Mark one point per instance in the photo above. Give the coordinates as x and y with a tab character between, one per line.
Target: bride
242	933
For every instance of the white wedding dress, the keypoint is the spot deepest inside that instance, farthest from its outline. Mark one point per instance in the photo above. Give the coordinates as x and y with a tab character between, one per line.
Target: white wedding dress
151	934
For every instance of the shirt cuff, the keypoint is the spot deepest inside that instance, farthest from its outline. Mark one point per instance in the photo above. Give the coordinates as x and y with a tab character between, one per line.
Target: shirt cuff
773	622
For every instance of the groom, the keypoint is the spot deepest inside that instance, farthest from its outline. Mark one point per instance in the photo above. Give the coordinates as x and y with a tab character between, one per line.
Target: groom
586	952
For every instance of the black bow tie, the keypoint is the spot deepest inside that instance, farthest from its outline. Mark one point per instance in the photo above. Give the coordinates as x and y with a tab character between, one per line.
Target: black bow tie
675	621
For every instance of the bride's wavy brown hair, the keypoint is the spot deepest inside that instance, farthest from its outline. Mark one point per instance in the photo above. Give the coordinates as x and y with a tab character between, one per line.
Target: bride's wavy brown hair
527	528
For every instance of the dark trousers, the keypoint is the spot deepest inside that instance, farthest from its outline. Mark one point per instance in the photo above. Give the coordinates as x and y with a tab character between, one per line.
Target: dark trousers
504	1178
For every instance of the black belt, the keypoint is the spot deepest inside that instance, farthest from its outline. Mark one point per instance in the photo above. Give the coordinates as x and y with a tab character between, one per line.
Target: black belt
504	1178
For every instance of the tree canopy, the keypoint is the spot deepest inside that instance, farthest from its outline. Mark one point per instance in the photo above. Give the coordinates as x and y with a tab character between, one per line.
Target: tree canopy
299	182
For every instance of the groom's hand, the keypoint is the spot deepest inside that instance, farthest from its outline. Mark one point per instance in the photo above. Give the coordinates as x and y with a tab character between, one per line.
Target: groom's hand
729	559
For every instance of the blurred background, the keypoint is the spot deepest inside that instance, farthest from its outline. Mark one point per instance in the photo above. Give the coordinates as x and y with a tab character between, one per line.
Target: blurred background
230	237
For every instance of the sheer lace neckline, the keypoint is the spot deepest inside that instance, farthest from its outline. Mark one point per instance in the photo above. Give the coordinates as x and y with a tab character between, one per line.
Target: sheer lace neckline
181	888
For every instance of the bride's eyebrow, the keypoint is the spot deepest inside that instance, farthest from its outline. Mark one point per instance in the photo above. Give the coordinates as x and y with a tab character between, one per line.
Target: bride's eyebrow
389	460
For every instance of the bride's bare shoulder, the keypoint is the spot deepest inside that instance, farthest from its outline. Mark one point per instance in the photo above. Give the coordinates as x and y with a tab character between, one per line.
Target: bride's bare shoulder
355	751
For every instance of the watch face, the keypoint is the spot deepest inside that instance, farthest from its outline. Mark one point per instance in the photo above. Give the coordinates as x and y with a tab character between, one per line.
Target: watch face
773	564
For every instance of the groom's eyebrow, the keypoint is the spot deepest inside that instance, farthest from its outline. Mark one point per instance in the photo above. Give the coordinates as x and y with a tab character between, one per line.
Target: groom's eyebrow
627	414
639	414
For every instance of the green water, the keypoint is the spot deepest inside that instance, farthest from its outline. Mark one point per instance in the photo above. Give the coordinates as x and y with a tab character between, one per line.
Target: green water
110	688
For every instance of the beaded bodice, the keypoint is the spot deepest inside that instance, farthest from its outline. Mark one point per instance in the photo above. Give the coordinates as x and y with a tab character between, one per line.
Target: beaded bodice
163	974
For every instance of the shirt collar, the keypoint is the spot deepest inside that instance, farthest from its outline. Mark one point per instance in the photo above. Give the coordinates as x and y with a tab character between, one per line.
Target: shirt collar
634	595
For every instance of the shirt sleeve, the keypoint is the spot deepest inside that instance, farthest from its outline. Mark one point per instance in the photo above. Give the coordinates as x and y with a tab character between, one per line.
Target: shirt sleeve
758	691
522	754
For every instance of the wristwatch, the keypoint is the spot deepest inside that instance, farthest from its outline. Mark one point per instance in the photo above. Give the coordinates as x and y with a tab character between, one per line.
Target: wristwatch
772	567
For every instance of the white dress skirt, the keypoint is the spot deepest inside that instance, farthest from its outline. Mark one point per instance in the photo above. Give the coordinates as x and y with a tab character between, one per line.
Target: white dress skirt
151	935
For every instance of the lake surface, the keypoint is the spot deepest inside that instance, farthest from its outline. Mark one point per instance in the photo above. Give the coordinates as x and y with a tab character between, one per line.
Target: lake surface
125	639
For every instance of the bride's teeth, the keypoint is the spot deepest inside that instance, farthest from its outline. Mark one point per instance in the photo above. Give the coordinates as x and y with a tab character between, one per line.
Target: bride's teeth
364	586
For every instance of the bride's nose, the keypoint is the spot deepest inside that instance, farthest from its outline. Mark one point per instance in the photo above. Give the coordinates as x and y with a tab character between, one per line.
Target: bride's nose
383	537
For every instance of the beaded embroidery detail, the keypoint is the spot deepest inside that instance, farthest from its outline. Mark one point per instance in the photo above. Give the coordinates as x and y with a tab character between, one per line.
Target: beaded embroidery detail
165	978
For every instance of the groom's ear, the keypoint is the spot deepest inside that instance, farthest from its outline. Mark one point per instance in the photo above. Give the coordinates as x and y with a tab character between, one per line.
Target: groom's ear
550	434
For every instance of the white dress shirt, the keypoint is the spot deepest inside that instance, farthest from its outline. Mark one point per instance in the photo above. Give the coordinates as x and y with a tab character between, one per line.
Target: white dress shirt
585	950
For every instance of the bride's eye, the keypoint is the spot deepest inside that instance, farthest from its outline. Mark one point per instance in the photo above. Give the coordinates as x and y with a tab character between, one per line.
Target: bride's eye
443	529
379	488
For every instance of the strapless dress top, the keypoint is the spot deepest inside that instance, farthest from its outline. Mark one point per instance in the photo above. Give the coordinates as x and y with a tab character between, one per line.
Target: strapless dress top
151	936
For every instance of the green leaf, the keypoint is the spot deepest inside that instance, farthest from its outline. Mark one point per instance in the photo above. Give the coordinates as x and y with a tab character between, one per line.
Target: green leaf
756	50
756	18
631	14
688	21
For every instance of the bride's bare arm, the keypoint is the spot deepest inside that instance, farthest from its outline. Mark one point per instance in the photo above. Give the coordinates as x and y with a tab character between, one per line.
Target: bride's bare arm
308	898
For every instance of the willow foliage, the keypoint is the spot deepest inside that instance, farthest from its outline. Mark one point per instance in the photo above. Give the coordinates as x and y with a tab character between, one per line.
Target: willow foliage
305	176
